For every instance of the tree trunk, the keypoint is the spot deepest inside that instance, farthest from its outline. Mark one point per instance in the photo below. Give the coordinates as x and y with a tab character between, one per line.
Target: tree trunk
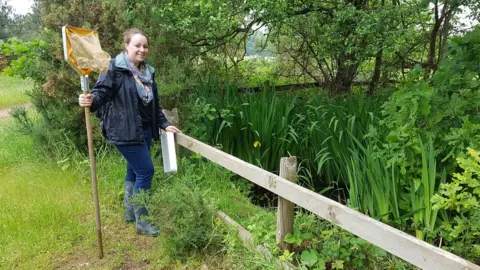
376	72
236	72
430	64
346	72
378	64
440	19
444	36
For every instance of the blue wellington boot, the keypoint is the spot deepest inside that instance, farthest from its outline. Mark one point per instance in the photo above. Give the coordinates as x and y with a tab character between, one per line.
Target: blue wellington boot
127	194
143	227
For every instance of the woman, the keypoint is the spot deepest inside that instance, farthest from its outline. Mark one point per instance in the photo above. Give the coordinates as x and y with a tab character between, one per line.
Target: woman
131	117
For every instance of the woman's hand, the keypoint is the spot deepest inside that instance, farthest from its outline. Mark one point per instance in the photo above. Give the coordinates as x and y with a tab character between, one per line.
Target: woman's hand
172	129
85	100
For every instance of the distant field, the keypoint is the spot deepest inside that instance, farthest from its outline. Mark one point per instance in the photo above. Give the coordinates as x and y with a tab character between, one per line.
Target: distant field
12	91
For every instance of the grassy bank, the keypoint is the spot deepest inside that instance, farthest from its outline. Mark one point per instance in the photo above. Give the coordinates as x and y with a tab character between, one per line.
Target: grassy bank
47	220
47	217
12	91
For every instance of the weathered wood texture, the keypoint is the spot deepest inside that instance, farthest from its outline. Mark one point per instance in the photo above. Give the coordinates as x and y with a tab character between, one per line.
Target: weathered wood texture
398	243
288	170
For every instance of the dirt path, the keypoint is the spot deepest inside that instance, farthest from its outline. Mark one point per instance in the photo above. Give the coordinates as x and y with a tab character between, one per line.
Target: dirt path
5	111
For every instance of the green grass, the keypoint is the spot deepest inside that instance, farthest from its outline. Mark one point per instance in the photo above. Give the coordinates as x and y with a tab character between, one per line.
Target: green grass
47	221
42	207
12	91
46	213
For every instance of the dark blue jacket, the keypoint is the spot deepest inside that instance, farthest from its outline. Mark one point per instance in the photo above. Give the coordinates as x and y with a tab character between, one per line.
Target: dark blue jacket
115	96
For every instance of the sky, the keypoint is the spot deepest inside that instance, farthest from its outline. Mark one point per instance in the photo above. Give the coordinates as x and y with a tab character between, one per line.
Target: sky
21	6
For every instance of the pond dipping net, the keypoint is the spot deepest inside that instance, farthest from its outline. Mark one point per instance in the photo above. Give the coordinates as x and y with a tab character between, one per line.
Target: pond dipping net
85	52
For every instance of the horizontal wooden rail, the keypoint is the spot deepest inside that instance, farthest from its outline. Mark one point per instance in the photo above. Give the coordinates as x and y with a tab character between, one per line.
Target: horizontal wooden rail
403	245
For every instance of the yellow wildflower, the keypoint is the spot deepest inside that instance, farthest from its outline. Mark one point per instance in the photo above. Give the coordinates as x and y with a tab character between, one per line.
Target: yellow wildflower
257	144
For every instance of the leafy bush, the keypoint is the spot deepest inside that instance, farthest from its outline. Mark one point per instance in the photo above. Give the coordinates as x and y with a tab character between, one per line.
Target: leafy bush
186	218
26	58
55	91
445	108
445	111
461	197
318	244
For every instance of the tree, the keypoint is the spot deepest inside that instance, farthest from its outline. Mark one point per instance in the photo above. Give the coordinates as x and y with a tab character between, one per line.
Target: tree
331	47
6	13
327	41
28	26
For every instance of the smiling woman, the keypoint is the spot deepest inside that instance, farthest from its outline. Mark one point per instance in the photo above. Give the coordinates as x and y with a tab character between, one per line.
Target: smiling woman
136	46
127	100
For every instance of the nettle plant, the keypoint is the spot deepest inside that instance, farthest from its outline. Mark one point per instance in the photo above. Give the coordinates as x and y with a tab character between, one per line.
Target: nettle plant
319	245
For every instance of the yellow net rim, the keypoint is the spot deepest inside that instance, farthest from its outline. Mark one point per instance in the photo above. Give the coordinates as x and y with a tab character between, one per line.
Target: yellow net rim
98	55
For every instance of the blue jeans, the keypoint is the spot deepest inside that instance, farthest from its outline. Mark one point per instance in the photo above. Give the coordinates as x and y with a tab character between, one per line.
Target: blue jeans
139	163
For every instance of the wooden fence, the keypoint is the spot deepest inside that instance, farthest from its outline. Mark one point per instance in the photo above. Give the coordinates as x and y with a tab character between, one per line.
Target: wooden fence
398	243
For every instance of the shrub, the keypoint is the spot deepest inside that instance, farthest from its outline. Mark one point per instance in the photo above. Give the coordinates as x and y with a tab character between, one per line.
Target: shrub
445	108
185	216
461	197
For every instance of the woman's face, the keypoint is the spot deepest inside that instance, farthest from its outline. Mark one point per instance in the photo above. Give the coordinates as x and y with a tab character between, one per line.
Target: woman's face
137	49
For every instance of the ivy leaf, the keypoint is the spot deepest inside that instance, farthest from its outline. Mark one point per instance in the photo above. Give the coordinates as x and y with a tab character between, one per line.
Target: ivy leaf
320	265
290	238
307	235
309	258
338	264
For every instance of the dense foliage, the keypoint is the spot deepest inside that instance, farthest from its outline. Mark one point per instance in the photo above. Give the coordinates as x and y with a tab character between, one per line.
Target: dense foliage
387	161
384	127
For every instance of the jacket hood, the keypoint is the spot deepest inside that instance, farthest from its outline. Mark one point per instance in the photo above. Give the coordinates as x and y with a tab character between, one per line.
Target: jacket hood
121	63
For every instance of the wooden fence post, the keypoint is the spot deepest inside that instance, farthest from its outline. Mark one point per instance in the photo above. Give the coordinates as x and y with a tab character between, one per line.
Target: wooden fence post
288	170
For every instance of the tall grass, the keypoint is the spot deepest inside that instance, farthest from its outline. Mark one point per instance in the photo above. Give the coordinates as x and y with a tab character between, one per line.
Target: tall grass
374	188
12	91
41	206
330	130
263	127
337	141
422	191
257	128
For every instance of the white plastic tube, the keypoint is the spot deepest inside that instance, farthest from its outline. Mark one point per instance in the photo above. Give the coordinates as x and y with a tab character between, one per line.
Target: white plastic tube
168	152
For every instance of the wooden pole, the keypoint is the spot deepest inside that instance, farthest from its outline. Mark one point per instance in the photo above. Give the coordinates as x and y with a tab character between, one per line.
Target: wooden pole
176	122
288	170
93	171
